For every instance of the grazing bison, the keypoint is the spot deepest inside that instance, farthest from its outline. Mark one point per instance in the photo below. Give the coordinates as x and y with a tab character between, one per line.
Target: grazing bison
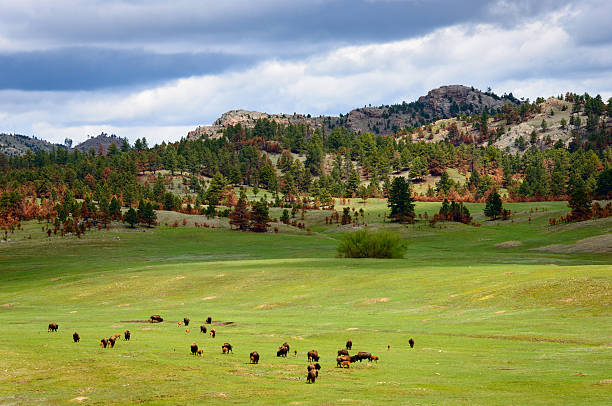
127	335
212	333
311	377
186	321
388	347
346	364
200	352
111	341
187	331
354	358
282	351
342	352
53	327
75	337
341	358
194	349
313	356
208	320
179	323
226	348
361	355
286	344
104	342
254	356
349	345
156	318
374	358
411	342
316	367
203	329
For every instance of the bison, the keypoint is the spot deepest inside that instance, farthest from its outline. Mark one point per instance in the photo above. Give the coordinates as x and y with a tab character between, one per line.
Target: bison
286	344
361	355
342	352
354	358
200	352
111	341
212	333
75	337
254	357
313	356
374	358
208	320
226	348
194	349
104	342
411	342
349	345
316	367
341	358
346	364
203	329
186	321
156	318
179	323
282	351
311	377
127	335
53	327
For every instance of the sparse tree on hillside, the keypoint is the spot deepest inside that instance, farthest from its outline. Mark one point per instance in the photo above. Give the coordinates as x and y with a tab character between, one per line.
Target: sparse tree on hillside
239	217
400	201
493	207
259	216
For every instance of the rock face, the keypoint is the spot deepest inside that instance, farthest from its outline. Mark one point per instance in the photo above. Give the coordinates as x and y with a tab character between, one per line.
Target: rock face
443	102
101	141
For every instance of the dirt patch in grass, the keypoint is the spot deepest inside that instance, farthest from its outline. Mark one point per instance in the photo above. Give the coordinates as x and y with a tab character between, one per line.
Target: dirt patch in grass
599	244
223	323
509	244
377	300
135	321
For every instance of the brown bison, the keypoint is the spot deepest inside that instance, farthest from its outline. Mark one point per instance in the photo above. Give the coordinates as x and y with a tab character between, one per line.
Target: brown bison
311	377
349	345
354	358
212	333
203	329
313	356
282	351
374	358
254	357
194	349
179	323
208	320
226	348
316	367
104	342
286	344
186	321
411	342
111	341
341	358
346	364
156	318
127	335
200	352
75	337
342	352
361	355
53	327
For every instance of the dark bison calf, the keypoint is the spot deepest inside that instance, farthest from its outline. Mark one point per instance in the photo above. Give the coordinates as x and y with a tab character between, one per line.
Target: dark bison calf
194	349
354	358
226	348
203	329
53	327
104	342
127	335
313	356
208	320
75	337
349	345
312	376
411	342
186	321
254	357
342	352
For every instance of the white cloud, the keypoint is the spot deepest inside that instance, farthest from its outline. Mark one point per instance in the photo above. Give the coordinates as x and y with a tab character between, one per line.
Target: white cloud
538	58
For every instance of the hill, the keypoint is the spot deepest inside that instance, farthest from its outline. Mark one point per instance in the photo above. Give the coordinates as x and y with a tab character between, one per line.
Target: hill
103	141
16	144
443	102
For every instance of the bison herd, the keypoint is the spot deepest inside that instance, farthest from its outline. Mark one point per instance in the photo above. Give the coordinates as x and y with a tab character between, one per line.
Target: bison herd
343	360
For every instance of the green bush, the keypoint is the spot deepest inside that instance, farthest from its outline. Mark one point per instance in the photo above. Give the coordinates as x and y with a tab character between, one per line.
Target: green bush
365	244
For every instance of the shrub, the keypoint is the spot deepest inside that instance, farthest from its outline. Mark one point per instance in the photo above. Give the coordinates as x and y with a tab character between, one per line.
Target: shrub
365	244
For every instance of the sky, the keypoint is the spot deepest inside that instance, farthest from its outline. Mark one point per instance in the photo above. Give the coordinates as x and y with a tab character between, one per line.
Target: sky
157	69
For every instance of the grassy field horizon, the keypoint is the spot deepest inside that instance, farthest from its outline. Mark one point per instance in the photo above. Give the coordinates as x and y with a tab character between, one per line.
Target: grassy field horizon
506	313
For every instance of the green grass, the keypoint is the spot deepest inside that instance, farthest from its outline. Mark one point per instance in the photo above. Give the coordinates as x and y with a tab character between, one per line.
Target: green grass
492	325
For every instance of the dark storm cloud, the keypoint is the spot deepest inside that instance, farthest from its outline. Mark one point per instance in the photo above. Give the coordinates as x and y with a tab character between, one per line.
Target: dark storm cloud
94	68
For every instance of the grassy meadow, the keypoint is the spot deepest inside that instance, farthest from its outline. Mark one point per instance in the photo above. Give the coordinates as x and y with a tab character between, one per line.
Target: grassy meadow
508	313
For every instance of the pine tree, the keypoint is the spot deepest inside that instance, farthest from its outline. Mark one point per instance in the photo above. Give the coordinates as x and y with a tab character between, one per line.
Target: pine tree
239	217
259	217
579	200
493	207
400	201
114	208
131	217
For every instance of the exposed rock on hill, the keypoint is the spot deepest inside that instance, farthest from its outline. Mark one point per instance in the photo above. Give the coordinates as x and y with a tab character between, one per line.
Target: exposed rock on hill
102	141
16	144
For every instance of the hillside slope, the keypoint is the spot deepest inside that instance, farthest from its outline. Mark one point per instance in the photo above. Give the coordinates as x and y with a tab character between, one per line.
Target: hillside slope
16	144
